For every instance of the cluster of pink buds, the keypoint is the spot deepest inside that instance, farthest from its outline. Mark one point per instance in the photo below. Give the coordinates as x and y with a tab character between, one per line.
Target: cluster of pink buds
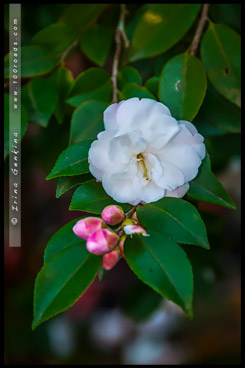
101	239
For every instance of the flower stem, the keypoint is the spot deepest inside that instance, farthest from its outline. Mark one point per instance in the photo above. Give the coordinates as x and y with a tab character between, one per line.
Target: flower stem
119	35
127	216
199	30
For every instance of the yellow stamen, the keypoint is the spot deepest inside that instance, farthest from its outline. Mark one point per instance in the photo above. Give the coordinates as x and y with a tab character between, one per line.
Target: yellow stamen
140	158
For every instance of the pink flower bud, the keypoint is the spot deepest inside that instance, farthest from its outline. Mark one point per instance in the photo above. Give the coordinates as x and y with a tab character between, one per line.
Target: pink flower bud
121	245
110	259
112	215
134	217
87	226
102	241
134	229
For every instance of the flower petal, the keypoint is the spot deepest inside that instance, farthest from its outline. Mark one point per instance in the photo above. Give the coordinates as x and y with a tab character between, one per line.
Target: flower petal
179	192
159	131
98	154
191	127
184	157
124	147
110	116
171	178
154	168
150	192
135	114
119	190
188	134
97	173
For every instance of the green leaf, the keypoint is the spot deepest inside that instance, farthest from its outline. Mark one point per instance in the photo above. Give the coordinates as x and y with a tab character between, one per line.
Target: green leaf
87	121
39	98
62	239
80	16
183	86
67	182
207	161
163	265
92	84
140	301
134	90
63	81
161	60
225	115
62	280
128	74
177	219
160	27
57	37
101	274
35	60
72	161
221	55
228	14
9	145
91	197
207	188
206	129
96	42
152	84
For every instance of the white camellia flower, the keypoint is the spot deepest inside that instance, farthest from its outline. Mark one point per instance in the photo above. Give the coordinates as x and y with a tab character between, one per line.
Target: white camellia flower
145	154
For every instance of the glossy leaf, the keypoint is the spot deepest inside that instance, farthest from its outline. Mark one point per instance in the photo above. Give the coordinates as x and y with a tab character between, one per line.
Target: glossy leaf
183	86
128	74
140	301
8	145
92	84
134	90
80	16
57	37
62	280
177	219
96	42
39	98
152	84
72	161
163	265
35	60
91	197
160	27
63	81
62	239
228	14
221	55
207	188
225	115
67	182
87	121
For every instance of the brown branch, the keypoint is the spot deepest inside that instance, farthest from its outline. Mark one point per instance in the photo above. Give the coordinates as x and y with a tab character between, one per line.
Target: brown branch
119	35
199	30
127	216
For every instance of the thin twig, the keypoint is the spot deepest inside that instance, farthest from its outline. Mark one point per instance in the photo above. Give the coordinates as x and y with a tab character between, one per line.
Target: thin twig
130	212
127	216
67	51
119	35
199	30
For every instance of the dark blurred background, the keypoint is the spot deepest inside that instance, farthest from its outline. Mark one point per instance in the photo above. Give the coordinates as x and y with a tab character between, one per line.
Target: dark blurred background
120	320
